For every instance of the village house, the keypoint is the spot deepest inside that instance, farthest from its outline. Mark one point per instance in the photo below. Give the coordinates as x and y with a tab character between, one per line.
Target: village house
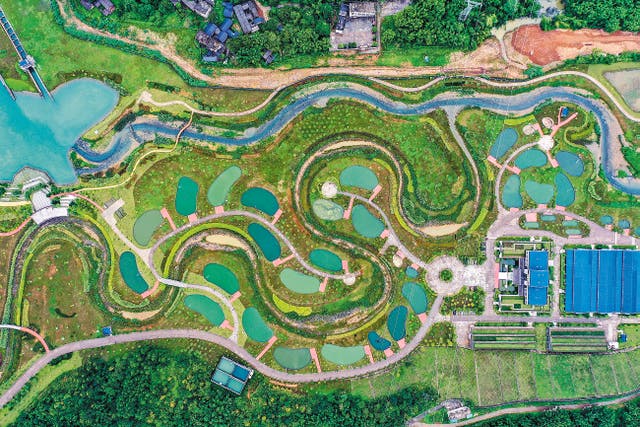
249	16
106	7
200	7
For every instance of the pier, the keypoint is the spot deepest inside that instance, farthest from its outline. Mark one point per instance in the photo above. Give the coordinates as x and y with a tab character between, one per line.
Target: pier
27	63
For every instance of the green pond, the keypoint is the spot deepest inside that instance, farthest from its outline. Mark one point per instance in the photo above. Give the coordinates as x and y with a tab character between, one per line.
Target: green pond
292	358
261	199
396	322
326	260
531	224
532	158
299	282
222	277
511	197
548	218
221	186
342	355
566	193
503	143
377	342
359	176
540	193
131	274
327	210
365	223
205	306
571	163
416	295
569	223
186	196
254	326
606	219
266	241
146	225
573	232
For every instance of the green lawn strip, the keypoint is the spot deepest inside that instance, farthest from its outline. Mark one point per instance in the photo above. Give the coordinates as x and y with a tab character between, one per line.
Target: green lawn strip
448	373
489	382
525	375
560	368
544	387
581	376
603	371
628	370
508	377
466	363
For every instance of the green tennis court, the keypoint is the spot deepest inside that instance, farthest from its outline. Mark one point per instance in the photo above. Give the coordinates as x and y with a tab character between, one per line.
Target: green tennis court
267	242
342	355
222	277
292	358
186	196
221	186
566	193
359	176
254	326
327	210
299	282
326	260
261	199
511	197
540	193
205	306
530	159
416	295
146	225
131	274
396	323
365	223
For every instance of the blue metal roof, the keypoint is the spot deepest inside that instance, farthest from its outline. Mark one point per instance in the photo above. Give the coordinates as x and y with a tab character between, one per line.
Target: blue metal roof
538	265
602	281
538	260
537	296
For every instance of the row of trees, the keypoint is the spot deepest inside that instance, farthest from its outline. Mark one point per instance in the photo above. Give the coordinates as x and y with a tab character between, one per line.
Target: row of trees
435	22
609	15
628	416
162	387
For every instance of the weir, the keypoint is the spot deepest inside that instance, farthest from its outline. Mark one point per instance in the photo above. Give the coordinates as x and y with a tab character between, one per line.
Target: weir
27	63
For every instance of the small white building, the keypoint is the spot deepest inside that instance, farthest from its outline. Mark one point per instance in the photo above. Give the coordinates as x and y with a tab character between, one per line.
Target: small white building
362	9
43	210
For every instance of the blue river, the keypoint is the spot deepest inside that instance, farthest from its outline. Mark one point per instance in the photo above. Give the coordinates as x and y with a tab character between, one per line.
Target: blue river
516	104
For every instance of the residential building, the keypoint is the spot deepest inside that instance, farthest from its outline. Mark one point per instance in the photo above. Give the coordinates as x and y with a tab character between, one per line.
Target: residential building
249	16
362	9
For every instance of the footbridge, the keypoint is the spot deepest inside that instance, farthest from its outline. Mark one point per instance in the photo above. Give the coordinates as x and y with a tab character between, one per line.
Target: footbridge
27	63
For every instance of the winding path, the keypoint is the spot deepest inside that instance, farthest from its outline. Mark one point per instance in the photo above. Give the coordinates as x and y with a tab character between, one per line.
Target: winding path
226	343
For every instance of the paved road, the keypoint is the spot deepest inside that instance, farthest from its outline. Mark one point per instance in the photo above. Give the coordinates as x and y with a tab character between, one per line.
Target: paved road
229	345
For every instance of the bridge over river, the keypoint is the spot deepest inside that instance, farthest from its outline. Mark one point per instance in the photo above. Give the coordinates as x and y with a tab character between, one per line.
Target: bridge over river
27	63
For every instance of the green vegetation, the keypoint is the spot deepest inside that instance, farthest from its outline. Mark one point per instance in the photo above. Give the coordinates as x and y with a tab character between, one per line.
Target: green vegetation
465	301
501	338
446	275
610	15
162	386
436	23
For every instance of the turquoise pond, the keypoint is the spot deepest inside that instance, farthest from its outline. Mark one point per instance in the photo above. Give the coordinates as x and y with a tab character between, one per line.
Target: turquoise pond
571	163
261	199
359	176
38	132
539	192
365	223
326	260
378	342
532	158
396	322
511	197
566	193
503	143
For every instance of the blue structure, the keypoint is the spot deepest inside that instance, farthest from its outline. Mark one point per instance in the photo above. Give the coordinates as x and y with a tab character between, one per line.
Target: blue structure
231	375
537	277
107	331
602	281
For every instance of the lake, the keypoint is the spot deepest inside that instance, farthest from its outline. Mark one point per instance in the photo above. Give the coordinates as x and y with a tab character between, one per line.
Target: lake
38	132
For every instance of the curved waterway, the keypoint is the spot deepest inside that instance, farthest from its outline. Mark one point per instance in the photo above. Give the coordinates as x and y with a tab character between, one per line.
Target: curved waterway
515	104
38	133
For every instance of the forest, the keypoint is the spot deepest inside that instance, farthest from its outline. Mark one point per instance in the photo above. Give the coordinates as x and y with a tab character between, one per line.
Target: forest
609	15
597	416
436	23
160	386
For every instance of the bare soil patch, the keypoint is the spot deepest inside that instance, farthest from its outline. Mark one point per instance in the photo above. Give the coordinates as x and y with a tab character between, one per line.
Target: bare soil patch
547	47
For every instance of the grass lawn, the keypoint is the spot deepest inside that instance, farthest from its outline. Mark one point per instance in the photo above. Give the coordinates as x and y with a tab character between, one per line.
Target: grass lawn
605	375
401	57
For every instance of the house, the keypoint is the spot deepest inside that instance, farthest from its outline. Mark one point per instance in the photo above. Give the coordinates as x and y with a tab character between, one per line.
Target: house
106	7
342	18
268	57
210	42
231	375
249	16
362	9
536	277
200	7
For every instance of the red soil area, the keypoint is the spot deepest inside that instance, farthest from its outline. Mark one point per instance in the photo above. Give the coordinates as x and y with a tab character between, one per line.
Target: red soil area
546	47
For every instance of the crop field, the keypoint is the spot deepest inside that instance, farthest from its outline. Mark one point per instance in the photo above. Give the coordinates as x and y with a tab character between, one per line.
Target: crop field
512	338
494	377
576	340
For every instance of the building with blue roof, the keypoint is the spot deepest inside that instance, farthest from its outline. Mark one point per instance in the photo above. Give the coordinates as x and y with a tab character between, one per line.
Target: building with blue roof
602	281
536	277
231	375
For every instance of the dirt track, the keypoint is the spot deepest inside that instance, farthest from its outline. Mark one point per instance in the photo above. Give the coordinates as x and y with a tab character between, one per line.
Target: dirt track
547	47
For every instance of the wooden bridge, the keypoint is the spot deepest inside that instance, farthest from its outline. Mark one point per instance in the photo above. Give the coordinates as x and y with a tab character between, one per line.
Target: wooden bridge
27	63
